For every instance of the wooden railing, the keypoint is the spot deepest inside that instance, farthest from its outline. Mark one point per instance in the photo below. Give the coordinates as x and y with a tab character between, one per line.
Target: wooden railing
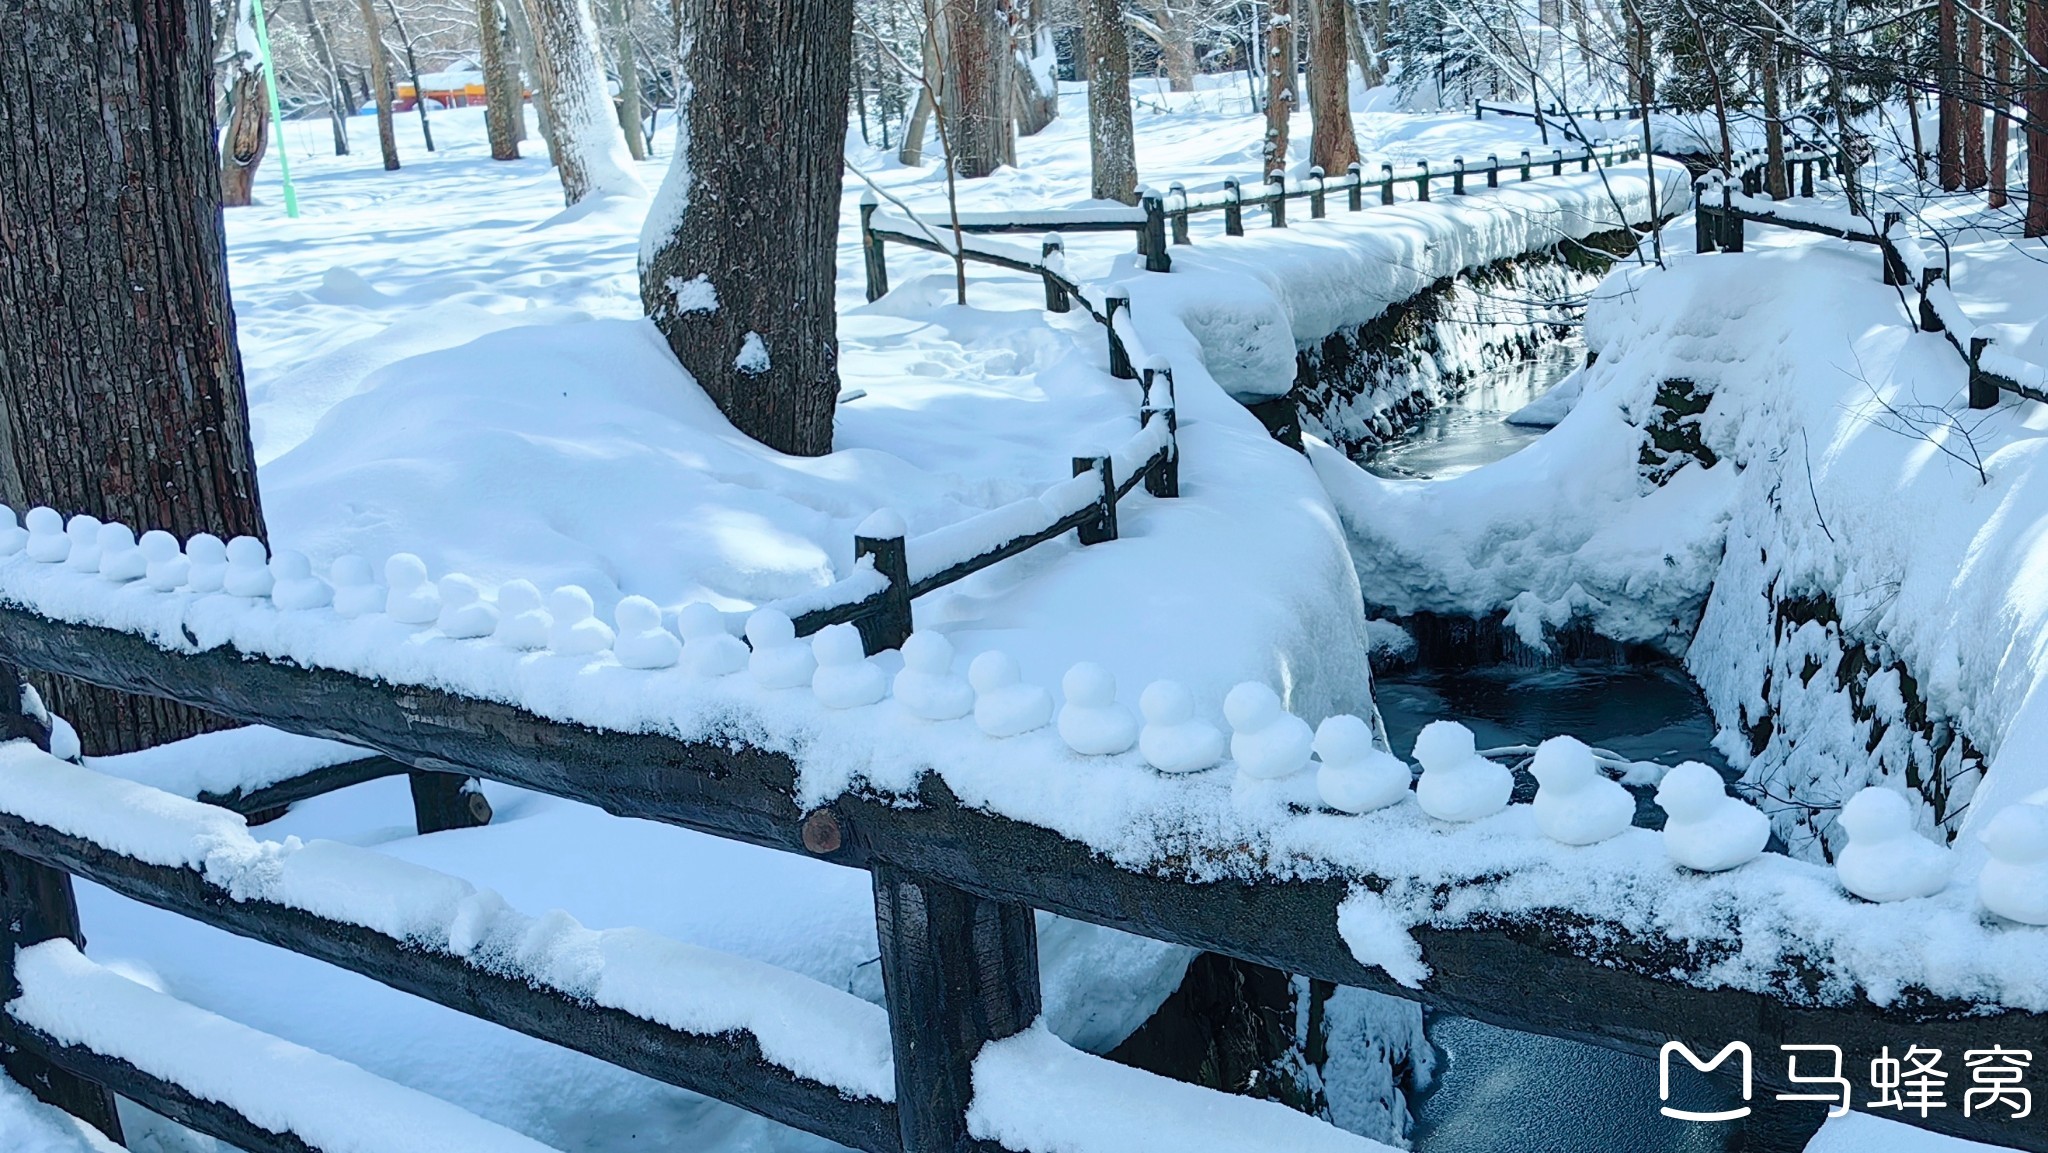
1721	212
1551	113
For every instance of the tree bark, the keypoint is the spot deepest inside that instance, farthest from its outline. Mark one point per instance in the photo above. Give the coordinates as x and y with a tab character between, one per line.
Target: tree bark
1333	145
380	83
1112	145
1364	49
765	105
974	106
1949	142
1036	84
503	100
2037	118
590	153
1774	121
247	136
629	79
1975	174
1279	83
2001	99
412	68
338	107
120	382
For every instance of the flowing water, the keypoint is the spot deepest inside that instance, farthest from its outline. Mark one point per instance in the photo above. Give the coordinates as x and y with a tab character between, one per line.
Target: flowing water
1496	1090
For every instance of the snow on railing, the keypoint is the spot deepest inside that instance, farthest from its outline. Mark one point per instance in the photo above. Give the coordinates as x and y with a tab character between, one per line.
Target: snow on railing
1906	262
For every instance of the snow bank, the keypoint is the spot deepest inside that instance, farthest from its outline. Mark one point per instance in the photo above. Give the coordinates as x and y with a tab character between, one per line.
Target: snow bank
333	1105
1034	1094
811	1029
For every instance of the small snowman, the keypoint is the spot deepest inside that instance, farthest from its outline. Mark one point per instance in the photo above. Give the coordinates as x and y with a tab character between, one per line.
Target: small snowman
248	572
167	566
47	542
642	643
1004	706
84	531
779	660
206	559
294	588
1174	739
465	614
409	598
2014	883
1575	804
1885	860
576	631
845	679
927	686
120	560
1093	722
1267	742
356	592
13	537
523	623
708	649
1356	775
1457	784
1704	827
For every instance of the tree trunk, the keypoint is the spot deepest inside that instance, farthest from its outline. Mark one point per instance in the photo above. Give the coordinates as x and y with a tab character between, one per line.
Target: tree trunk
2001	100
1036	82
974	109
1112	146
380	83
529	53
1177	50
412	69
629	79
765	107
2037	118
338	107
247	136
1364	50
120	383
1774	122
1332	143
1975	174
1279	84
503	101
590	154
1947	83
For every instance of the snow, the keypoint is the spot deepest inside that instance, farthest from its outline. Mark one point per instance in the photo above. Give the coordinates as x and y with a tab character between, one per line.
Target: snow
753	355
247	758
332	1105
1035	1094
33	1127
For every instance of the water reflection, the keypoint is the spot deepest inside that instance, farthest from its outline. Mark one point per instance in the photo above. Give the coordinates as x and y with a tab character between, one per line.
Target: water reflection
1456	437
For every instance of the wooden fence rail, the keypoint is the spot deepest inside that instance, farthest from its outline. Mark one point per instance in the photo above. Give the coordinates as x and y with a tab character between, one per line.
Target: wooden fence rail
962	866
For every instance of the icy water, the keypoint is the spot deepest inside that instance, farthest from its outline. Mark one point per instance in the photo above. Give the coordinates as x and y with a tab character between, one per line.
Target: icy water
1471	431
1496	1090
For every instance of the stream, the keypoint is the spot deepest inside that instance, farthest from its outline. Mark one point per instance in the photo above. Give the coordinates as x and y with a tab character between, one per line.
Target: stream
1496	1090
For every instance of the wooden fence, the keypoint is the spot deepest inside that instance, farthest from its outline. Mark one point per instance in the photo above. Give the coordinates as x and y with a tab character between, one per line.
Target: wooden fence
1161	220
1721	213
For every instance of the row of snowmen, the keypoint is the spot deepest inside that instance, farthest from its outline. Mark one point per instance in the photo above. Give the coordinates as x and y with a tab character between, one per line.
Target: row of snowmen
1705	829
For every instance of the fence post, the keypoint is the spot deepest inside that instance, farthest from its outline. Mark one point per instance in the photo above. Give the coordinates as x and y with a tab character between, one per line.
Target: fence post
1457	176
958	971
1806	179
1103	527
1704	223
871	249
1557	162
880	536
1118	299
1894	266
1983	389
444	801
1316	195
36	905
1731	222
1422	181
1052	259
1178	193
1276	189
1233	207
1478	110
1163	479
1492	170
1356	175
1152	240
1386	184
1930	320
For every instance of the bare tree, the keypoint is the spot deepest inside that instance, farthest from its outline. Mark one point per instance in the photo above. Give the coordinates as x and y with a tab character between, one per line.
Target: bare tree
1279	83
504	103
248	129
380	82
1948	96
2001	103
741	283
590	154
629	78
1112	145
339	107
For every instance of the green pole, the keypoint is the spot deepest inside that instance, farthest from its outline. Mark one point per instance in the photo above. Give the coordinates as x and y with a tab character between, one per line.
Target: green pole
284	163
